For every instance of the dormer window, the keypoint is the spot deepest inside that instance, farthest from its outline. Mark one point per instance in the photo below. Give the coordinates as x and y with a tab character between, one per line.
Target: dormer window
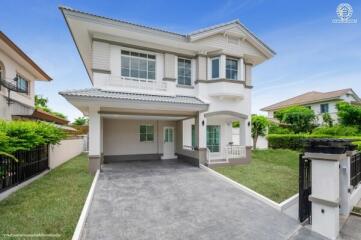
137	65
215	68
184	71
231	69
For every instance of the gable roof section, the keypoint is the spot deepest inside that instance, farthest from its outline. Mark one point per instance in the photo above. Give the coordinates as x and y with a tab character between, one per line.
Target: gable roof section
187	37
106	94
311	97
16	49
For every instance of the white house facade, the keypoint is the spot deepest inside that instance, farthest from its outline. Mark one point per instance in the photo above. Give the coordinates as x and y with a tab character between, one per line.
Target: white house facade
319	102
163	95
18	74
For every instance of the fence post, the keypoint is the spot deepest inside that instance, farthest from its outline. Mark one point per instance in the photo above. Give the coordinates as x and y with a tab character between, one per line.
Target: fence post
326	155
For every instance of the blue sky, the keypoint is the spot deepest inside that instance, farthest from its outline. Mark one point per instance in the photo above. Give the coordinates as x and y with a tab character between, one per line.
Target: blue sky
312	52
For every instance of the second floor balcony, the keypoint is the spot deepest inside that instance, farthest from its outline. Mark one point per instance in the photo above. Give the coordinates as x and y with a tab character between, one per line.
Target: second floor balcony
137	84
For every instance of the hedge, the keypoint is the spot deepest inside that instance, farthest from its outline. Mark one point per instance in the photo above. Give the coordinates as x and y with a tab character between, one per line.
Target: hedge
296	141
26	135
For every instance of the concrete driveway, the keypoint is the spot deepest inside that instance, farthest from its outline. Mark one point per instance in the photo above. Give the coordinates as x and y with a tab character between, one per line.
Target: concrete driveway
173	200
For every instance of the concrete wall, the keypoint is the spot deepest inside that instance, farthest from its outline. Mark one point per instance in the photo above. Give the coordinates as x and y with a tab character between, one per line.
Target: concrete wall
121	137
64	151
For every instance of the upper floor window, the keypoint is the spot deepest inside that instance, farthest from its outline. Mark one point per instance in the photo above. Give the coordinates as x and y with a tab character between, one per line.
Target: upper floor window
184	71
138	65
215	68
324	108
231	69
22	84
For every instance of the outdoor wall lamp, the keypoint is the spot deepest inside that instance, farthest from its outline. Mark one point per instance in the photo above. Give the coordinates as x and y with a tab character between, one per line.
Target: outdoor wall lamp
249	123
202	122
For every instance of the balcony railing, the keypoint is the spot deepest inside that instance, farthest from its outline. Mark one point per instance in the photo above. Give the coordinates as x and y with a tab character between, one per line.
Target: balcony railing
137	83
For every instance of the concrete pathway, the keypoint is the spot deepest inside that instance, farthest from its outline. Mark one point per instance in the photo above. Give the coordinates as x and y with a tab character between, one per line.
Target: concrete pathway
173	200
351	230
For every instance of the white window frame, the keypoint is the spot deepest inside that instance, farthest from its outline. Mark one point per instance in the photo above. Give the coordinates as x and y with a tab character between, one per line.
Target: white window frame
190	60
219	67
325	104
237	75
146	133
20	77
138	57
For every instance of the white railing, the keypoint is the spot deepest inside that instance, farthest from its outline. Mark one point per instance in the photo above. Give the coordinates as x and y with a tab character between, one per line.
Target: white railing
229	152
138	83
190	148
234	151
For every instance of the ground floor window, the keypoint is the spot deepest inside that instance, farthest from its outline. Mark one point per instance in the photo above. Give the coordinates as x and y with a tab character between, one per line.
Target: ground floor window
213	138
146	133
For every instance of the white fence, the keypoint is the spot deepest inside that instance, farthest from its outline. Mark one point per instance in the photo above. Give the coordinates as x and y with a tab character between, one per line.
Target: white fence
64	151
262	142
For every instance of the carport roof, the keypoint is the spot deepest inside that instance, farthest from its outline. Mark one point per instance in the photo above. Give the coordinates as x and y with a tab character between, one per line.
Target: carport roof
108	94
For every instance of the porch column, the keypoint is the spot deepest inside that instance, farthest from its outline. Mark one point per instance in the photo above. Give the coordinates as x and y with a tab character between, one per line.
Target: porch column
201	136
242	132
94	140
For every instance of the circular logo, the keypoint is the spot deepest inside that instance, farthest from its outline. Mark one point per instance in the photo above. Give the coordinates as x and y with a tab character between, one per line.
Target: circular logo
344	11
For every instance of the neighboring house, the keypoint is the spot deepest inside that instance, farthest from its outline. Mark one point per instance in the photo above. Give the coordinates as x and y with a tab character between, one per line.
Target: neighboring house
319	102
18	74
159	94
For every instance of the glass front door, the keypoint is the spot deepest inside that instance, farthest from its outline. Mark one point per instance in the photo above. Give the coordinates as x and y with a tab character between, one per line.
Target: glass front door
213	138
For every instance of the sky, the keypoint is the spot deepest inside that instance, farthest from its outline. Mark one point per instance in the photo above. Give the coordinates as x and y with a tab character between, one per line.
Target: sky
313	54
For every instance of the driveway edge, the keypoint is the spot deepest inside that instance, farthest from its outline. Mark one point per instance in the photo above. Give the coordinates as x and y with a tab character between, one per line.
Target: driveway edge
84	213
245	189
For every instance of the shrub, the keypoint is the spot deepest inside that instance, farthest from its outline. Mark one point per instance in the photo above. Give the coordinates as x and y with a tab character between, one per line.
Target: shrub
327	119
337	130
349	115
26	135
259	127
276	129
296	141
300	118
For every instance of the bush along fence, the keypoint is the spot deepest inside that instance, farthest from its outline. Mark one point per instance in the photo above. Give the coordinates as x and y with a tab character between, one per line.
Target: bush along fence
28	165
24	150
296	141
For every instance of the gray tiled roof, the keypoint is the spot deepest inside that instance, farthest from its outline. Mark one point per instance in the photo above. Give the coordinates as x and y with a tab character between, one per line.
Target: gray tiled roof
174	33
108	94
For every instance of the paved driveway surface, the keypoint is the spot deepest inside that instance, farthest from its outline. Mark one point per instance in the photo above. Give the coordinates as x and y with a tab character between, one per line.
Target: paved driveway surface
173	200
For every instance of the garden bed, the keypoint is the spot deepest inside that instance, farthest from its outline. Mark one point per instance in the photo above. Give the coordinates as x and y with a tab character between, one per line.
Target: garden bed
272	173
49	206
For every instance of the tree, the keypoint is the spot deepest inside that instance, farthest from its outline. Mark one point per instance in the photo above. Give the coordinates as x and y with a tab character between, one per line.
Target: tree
80	121
259	127
349	115
301	119
327	119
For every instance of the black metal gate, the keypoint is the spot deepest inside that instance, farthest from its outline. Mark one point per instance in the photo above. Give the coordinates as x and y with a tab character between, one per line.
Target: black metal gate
355	177
304	210
30	163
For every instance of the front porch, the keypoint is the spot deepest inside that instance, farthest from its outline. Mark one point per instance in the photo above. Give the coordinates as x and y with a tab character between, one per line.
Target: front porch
146	136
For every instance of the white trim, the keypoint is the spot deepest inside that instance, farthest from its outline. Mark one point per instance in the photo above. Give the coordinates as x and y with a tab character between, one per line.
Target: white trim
84	213
245	189
8	192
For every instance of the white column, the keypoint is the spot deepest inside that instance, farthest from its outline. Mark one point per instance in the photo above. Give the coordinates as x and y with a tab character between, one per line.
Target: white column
325	193
241	71
94	132
242	132
345	186
201	131
222	66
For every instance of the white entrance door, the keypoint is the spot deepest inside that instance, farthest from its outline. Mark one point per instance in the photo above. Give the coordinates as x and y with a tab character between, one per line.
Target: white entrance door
168	143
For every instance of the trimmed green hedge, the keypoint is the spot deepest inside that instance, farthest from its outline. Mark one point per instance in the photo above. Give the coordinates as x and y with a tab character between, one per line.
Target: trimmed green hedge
26	135
296	141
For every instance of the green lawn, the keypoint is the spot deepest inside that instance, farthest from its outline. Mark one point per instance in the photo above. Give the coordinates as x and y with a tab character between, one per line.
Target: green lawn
272	173
49	205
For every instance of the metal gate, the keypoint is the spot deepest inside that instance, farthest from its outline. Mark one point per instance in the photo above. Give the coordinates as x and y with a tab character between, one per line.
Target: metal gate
304	210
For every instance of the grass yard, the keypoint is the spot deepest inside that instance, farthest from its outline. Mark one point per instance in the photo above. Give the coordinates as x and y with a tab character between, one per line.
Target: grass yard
272	173
49	205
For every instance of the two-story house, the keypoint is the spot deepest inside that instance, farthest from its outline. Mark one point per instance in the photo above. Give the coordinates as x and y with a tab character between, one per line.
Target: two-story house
18	74
161	95
319	102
